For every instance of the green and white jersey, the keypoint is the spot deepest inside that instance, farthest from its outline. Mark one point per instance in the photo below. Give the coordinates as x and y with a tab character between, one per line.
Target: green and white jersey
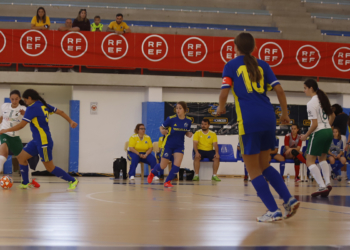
11	117
315	111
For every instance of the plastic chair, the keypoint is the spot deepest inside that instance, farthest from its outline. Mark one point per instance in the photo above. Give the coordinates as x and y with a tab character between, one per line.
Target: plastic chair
226	153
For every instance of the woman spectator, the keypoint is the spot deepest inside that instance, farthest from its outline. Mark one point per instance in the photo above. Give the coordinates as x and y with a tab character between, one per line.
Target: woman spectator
336	153
81	21
140	150
40	22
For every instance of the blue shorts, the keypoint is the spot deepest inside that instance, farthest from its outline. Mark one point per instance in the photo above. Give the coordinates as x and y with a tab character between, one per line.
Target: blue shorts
34	149
207	154
256	142
167	152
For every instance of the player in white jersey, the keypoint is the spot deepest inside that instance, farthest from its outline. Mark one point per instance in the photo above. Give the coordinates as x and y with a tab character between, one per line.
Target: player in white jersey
11	115
320	113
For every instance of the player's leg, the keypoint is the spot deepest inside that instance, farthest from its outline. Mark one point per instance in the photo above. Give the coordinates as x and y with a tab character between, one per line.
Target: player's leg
134	161
178	156
166	154
152	161
28	151
4	151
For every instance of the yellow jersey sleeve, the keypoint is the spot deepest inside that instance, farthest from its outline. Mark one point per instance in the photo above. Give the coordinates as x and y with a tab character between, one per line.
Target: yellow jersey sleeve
196	136
215	138
132	142
125	26
160	142
33	20
111	26
149	142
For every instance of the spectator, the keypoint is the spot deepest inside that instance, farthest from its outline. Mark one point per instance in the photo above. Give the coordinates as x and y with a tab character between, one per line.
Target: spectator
97	25
203	142
68	26
140	150
81	21
336	152
40	21
340	121
118	26
348	143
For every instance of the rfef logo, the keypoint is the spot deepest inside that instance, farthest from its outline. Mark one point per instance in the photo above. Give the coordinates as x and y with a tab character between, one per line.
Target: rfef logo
33	43
308	57
154	48
341	59
194	50
227	51
2	41
74	44
271	53
114	46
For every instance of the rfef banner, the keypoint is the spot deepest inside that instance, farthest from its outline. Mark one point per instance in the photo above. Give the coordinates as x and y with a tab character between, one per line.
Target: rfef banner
169	52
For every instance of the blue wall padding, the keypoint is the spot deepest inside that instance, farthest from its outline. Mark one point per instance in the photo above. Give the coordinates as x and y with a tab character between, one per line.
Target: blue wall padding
74	137
8	165
152	117
7	100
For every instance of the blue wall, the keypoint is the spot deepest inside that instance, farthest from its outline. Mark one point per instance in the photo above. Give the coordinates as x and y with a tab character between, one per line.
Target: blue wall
74	137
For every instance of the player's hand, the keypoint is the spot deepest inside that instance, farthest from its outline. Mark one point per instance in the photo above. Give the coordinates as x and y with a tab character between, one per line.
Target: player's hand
189	134
73	124
143	156
221	110
285	119
198	156
22	112
303	137
338	156
165	132
2	131
217	156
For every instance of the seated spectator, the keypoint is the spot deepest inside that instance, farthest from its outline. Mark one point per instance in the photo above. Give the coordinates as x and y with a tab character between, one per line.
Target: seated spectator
140	150
292	146
278	157
203	142
336	152
97	25
68	26
40	21
340	121
82	22
118	26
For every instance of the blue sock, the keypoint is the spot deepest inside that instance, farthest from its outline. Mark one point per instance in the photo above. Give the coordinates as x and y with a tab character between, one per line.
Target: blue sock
245	171
282	168
277	183
24	172
339	165
334	168
174	170
348	171
60	173
156	169
263	190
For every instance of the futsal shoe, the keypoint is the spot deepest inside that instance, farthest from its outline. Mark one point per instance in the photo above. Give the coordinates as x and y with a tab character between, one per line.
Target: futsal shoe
339	177
270	216
195	178
245	178
215	178
150	178
22	186
73	184
156	178
168	184
297	179
291	207
34	184
329	187
324	192
132	178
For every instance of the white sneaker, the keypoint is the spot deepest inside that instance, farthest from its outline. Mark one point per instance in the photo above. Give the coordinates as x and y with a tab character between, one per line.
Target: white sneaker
71	71
348	182
132	178
155	178
36	70
270	216
59	70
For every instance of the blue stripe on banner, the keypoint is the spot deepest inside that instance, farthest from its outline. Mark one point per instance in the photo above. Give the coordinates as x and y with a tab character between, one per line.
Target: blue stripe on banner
152	117
74	137
7	100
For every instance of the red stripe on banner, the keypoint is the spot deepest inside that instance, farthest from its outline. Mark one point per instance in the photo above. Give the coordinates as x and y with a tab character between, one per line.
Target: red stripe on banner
169	52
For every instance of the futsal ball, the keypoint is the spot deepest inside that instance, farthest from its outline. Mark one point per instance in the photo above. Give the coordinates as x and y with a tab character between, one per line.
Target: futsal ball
6	182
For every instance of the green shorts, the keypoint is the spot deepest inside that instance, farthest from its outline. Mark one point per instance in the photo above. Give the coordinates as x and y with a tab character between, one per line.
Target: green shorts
320	142
13	143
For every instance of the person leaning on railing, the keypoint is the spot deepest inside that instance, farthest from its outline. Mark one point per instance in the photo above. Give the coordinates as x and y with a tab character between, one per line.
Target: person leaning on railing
82	22
118	26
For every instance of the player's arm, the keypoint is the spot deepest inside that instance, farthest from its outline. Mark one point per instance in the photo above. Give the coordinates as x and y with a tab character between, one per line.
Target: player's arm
311	130
283	103
286	142
189	134
1	118
61	113
275	151
331	118
222	101
163	130
19	126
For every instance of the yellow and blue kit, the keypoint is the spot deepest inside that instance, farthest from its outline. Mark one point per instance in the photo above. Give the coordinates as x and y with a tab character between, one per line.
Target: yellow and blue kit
255	114
37	115
174	141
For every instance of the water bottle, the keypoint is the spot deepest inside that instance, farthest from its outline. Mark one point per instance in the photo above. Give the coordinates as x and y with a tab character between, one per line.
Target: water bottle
121	174
288	177
184	175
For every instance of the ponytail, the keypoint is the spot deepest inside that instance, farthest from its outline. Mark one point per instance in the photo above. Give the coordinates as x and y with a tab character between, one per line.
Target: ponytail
246	44
16	92
36	97
322	97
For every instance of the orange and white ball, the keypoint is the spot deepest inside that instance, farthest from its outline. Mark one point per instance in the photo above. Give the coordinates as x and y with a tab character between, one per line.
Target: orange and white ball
6	182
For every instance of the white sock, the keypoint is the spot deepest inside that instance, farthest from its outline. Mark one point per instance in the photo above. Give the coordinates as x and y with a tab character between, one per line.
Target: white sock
3	159
196	175
325	170
214	174
315	171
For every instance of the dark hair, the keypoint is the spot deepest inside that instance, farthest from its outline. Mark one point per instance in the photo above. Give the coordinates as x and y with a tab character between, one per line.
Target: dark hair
349	121
206	120
16	92
37	15
339	134
79	18
297	128
246	44
120	14
97	17
35	96
325	104
183	105
137	128
337	109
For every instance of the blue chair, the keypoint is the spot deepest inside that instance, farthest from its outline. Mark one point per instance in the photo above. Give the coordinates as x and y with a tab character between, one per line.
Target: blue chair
239	156
226	153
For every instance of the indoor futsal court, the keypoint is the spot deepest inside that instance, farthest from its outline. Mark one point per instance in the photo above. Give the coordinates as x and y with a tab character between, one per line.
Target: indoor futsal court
116	214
